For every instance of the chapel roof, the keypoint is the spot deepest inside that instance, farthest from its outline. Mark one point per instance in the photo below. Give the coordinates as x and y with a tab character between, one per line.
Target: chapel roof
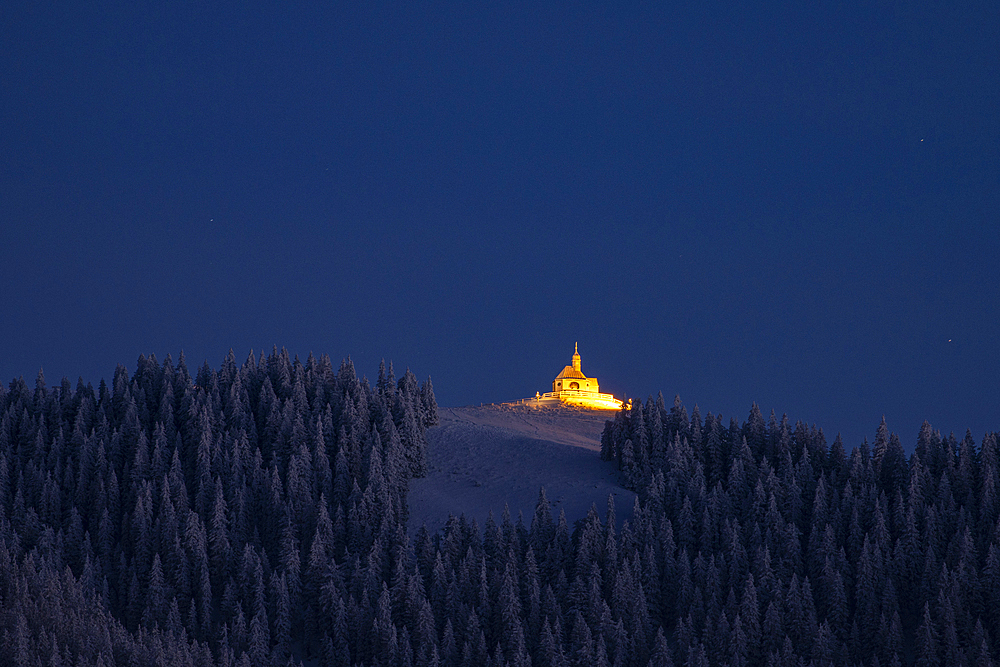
570	372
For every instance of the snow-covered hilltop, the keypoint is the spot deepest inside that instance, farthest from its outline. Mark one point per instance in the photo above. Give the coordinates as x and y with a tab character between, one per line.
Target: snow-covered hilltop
481	458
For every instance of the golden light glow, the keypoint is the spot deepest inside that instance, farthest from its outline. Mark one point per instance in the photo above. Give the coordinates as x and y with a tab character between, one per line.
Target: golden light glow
572	387
577	398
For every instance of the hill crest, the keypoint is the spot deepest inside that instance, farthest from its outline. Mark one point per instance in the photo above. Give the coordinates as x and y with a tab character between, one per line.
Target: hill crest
483	457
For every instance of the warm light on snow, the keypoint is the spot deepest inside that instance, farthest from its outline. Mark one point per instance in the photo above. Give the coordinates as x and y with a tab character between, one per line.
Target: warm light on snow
576	397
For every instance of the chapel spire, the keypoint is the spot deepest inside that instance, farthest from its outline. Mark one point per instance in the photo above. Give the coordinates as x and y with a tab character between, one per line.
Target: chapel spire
576	357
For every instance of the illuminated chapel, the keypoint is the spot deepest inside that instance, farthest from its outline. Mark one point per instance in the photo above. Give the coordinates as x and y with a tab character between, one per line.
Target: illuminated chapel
571	377
572	387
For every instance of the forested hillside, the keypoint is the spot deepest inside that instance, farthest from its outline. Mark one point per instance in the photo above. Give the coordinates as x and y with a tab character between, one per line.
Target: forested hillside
255	515
226	517
769	546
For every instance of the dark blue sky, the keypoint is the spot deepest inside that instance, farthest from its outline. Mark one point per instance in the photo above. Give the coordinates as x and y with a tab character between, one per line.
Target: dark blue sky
791	203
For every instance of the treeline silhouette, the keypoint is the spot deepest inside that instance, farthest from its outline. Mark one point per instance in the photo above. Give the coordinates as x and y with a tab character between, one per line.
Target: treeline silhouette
256	515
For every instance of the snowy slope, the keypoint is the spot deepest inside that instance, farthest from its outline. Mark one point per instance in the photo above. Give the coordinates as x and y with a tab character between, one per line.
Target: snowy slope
483	457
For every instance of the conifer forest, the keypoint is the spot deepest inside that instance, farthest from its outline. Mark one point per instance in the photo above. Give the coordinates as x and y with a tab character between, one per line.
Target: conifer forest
256	515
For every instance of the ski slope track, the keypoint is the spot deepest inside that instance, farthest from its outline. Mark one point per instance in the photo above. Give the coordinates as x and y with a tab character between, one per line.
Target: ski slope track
482	458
